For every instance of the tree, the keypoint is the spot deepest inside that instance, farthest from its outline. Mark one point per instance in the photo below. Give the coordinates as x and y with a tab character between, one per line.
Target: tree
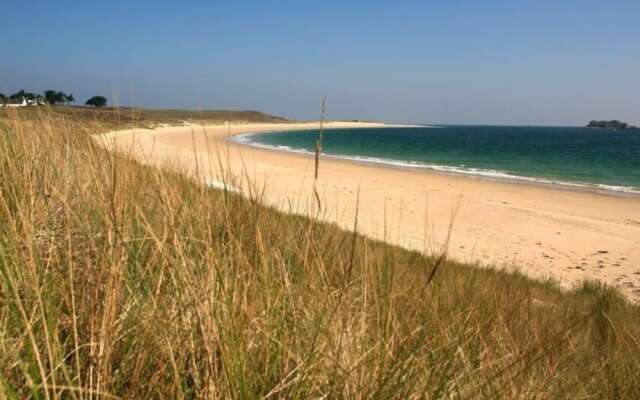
3	98
18	95
22	95
57	97
54	97
97	101
51	96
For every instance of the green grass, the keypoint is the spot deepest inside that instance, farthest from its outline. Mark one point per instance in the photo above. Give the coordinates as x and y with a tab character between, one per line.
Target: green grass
122	280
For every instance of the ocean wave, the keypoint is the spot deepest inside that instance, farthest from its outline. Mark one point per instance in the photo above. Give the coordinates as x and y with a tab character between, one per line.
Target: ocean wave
215	184
488	174
246	138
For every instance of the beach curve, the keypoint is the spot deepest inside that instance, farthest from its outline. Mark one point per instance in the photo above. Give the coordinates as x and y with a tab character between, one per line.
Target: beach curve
544	232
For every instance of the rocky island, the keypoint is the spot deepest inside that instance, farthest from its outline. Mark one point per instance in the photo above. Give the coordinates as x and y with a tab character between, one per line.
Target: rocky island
613	125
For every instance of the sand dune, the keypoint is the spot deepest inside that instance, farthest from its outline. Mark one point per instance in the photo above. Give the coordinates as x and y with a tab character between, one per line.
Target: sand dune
543	231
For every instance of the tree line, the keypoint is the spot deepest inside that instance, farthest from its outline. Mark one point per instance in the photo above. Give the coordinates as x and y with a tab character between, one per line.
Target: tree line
51	97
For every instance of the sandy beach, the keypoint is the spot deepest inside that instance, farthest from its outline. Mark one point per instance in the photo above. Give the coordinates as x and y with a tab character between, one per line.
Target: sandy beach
545	232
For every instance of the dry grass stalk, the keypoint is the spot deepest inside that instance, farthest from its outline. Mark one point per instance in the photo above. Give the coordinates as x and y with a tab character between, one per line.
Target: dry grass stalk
124	281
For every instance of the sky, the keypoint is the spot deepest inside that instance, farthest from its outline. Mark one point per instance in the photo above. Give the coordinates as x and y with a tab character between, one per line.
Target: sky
560	62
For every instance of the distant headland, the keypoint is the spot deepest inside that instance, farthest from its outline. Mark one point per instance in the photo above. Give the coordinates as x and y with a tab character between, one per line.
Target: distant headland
613	125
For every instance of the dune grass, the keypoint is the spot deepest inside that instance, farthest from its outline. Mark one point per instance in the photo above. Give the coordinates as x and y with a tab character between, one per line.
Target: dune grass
142	117
124	281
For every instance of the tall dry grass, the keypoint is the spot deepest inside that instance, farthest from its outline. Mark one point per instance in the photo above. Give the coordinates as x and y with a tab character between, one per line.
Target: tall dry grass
124	281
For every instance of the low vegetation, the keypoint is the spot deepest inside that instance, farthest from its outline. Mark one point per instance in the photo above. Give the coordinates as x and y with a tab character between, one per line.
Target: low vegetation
124	281
123	117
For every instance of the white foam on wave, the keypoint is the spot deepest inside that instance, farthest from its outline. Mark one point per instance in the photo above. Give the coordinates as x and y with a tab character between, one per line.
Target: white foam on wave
246	138
488	174
242	138
212	183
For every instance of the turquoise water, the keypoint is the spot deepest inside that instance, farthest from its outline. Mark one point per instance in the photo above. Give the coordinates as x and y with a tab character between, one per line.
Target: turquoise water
576	157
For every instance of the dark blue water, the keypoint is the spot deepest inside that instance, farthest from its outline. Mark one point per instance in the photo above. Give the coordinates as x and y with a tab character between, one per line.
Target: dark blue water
578	157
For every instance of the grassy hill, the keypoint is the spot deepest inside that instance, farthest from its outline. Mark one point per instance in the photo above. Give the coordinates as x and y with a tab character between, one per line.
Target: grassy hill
119	280
125	116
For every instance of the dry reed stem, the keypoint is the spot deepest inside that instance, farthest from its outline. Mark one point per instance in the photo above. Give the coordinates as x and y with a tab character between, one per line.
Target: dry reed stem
124	281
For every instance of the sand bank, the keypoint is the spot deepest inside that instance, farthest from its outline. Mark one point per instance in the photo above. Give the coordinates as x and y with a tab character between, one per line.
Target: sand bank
545	232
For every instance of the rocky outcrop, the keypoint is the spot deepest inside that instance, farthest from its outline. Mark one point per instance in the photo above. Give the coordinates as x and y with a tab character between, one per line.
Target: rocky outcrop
613	125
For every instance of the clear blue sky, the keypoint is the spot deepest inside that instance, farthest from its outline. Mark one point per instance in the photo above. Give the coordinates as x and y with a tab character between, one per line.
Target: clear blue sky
559	62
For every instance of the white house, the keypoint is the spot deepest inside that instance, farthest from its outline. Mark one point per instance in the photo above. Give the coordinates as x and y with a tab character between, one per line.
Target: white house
24	102
14	103
38	101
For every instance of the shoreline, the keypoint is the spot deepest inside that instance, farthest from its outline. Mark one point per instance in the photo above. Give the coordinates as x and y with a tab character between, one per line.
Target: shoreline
542	231
588	187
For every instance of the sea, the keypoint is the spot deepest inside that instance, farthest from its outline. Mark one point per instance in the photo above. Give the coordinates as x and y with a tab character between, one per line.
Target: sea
572	157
